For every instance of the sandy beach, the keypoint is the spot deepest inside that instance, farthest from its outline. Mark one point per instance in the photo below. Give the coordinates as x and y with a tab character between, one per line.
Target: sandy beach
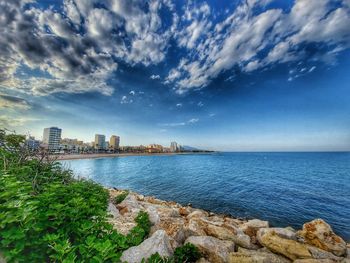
113	155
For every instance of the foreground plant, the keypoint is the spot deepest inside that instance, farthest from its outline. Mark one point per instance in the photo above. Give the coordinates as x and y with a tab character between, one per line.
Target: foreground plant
49	216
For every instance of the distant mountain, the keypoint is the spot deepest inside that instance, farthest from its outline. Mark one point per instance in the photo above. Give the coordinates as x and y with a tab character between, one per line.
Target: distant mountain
189	148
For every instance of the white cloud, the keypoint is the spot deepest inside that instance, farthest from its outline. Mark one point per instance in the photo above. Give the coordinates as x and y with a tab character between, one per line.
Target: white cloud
194	120
126	100
155	77
237	41
132	92
200	104
179	105
312	69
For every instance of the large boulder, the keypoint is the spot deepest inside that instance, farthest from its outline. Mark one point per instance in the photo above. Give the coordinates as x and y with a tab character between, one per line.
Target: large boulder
193	228
174	228
213	249
281	232
287	247
312	260
255	256
251	227
229	233
318	233
159	243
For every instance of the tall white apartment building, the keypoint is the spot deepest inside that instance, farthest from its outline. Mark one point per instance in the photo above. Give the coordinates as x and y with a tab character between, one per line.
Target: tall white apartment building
100	142
52	138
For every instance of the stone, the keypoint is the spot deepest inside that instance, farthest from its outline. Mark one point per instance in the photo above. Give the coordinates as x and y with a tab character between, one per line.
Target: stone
251	227
174	228
197	213
184	211
229	233
159	242
319	234
193	228
112	210
154	217
202	260
2	258
287	247
314	261
281	232
318	253
213	249
254	256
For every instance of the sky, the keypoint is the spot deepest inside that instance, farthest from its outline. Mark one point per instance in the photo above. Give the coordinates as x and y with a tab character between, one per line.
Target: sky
222	75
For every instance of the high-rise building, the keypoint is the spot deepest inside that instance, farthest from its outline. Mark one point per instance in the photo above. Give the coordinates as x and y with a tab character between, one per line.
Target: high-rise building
32	144
114	142
52	138
99	143
174	147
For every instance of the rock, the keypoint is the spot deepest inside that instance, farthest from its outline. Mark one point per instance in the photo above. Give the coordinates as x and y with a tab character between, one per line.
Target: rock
314	261
287	247
322	254
174	228
158	242
154	217
2	258
197	213
193	228
229	233
213	249
281	232
184	211
254	256
319	234
251	227
202	260
112	210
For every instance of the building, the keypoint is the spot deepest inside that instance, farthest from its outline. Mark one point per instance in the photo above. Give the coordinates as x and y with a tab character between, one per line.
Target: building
174	147
74	146
52	138
100	141
114	143
154	148
32	144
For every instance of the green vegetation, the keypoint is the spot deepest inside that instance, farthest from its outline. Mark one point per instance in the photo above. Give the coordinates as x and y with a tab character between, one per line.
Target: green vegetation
47	215
120	198
187	253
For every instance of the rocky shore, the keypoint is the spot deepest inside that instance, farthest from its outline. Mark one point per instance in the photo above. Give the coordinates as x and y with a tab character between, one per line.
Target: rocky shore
222	238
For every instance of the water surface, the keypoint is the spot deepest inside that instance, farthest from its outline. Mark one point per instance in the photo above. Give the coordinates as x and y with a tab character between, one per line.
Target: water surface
287	189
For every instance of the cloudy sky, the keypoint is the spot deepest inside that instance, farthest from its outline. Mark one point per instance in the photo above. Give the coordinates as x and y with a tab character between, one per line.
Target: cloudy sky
225	75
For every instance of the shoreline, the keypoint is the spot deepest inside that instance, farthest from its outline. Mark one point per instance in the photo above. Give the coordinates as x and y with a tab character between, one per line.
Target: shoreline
66	157
222	238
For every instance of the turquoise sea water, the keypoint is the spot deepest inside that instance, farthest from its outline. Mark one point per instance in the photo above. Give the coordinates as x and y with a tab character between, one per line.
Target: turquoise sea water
287	189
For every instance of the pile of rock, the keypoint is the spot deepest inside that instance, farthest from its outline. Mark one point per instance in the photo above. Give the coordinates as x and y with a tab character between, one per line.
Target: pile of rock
223	238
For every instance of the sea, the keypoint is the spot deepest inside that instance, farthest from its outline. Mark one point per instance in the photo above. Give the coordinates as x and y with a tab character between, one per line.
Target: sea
286	189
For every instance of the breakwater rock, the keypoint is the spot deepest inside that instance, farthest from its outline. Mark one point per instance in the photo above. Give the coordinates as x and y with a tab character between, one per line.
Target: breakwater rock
222	238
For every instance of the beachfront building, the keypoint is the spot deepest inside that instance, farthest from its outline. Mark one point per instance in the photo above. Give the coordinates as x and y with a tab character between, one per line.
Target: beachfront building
174	147
52	139
114	143
154	148
32	144
100	142
74	146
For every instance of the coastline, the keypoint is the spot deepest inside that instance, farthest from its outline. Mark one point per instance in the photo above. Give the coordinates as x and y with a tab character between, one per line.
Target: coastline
222	238
66	157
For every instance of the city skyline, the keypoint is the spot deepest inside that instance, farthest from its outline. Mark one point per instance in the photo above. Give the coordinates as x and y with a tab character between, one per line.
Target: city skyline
228	76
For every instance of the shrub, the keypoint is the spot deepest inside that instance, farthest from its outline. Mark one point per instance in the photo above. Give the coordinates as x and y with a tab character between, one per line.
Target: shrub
120	198
187	253
49	216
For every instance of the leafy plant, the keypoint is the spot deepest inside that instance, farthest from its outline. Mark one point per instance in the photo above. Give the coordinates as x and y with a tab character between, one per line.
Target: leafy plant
187	253
120	198
47	215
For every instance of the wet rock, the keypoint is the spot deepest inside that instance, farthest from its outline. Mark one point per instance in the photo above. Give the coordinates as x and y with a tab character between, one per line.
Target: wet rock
159	242
287	247
254	256
213	249
319	234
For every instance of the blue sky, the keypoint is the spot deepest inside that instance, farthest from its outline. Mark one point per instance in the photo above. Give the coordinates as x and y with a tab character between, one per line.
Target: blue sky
224	75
